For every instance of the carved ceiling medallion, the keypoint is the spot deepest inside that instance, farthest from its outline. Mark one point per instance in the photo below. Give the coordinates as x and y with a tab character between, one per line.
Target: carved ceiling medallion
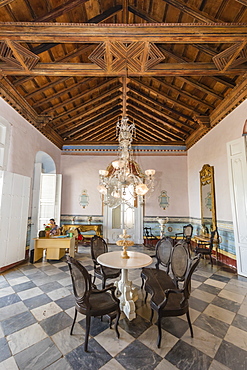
121	56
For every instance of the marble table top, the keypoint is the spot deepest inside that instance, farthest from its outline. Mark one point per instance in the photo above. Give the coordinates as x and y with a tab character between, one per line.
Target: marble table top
114	260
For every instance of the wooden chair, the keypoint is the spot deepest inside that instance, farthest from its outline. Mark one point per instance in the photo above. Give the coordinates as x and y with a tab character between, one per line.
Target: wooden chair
90	301
162	254
174	301
186	234
149	237
205	248
99	246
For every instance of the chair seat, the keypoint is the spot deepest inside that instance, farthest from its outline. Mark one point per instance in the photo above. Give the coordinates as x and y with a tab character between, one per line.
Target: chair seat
202	251
157	281
100	304
174	306
108	271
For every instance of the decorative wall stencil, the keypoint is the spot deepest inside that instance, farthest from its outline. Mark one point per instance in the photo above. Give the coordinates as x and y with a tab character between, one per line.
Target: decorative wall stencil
84	198
164	199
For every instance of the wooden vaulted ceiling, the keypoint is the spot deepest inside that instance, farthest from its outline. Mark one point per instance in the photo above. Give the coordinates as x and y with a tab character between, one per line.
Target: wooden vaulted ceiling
64	66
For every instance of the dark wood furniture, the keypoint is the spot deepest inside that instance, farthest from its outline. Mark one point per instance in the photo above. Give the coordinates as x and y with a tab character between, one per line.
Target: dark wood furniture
99	246
162	254
173	301
160	284
205	247
90	301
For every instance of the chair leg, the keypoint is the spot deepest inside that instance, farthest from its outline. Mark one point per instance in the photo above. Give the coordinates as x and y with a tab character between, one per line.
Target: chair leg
159	332
142	283
211	259
103	283
94	278
145	300
72	327
189	322
88	321
152	315
116	323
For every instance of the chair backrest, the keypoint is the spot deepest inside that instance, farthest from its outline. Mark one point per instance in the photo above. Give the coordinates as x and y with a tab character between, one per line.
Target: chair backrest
187	282
187	231
214	236
180	260
81	280
98	247
163	252
42	233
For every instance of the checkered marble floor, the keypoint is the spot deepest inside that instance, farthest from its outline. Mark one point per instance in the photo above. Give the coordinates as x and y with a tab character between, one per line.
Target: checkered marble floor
36	310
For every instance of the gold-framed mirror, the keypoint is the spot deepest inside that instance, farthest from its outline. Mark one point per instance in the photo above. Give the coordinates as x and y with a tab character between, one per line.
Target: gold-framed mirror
207	190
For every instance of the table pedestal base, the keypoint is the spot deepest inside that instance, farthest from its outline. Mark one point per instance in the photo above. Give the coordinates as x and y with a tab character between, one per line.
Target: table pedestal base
128	295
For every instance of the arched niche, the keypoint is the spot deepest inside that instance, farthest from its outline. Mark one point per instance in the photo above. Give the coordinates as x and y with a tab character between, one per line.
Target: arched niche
48	164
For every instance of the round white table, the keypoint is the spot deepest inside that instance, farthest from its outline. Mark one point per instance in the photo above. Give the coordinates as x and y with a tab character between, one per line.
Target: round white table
128	294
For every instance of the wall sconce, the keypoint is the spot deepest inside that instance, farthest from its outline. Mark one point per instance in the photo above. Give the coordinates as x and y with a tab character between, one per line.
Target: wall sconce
84	199
164	199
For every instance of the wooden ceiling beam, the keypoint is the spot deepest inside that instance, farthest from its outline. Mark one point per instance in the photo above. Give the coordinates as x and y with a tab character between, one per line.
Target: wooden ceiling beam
85	105
193	12
159	122
45	87
152	125
101	129
142	14
89	69
152	131
166	97
102	115
5	2
59	93
75	33
183	93
106	14
200	86
81	96
87	115
162	107
60	10
171	110
158	116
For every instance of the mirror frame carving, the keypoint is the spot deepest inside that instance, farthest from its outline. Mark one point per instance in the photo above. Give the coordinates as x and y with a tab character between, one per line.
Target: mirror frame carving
207	177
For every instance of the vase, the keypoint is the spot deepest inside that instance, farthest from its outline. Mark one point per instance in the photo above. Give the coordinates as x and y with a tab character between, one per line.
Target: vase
47	234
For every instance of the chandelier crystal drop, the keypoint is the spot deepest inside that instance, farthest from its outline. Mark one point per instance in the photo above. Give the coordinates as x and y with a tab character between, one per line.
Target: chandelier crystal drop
123	180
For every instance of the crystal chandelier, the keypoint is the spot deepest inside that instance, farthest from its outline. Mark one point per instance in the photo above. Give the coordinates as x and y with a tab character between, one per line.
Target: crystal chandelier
123	180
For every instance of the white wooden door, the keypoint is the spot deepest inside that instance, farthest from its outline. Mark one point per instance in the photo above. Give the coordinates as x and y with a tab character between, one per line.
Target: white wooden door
238	189
14	204
123	217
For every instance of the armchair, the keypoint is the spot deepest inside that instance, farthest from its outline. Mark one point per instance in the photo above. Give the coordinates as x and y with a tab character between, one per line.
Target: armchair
186	234
174	301
90	301
205	248
99	246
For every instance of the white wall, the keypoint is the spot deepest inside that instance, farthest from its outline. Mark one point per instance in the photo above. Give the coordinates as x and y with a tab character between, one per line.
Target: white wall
81	172
211	149
25	142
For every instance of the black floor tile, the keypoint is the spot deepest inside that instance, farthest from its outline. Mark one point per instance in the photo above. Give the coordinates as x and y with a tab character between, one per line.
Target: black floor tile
232	356
56	323
226	303
135	327
175	326
137	356
184	356
212	325
9	299
94	359
18	322
24	286
37	301
5	351
240	322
